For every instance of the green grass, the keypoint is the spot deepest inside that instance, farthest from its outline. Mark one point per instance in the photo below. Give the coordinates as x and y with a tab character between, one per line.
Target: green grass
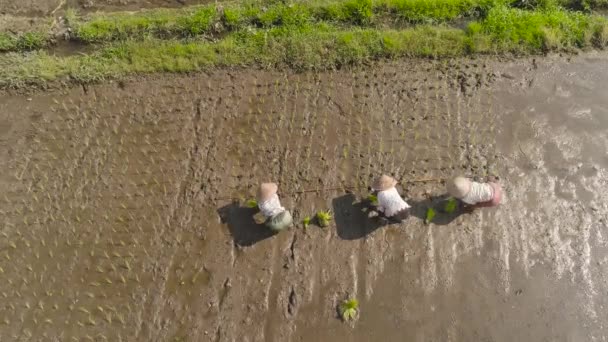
306	35
157	23
209	20
437	10
495	18
24	42
312	46
519	31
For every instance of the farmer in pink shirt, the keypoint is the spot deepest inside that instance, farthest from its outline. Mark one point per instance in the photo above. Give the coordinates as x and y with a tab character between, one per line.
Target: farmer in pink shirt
474	194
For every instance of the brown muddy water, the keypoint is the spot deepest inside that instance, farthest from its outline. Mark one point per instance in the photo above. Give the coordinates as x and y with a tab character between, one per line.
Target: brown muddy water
117	223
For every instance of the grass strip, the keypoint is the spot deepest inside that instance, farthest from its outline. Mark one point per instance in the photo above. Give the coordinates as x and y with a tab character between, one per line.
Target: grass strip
519	31
23	42
314	46
219	20
212	19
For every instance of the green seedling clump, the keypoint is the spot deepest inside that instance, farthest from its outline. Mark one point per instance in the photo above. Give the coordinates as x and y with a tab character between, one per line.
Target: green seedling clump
373	200
349	309
251	203
450	205
306	221
324	218
430	215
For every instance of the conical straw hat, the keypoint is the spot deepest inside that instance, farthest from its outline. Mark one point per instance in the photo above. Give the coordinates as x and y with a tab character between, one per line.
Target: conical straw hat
384	183
266	191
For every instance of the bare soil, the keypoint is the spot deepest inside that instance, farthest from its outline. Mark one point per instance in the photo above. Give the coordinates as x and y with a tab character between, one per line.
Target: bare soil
118	219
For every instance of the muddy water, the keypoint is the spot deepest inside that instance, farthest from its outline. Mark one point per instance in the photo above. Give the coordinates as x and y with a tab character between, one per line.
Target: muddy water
118	221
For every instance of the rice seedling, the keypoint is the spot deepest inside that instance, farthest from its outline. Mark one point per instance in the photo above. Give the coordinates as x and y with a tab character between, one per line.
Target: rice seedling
430	215
324	218
306	221
450	205
251	203
349	310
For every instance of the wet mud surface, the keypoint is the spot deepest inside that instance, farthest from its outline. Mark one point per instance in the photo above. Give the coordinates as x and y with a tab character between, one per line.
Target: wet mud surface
118	221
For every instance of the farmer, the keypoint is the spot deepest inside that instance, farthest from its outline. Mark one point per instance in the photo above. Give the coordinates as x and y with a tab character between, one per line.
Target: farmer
277	218
390	204
473	194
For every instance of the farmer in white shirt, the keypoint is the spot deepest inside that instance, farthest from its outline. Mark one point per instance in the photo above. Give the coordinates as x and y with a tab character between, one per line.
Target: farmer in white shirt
389	202
277	218
473	194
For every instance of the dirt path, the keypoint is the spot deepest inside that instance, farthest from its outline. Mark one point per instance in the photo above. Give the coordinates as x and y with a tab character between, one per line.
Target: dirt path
112	199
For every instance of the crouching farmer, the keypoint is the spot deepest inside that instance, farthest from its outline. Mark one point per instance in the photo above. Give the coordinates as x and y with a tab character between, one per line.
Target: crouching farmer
390	203
473	194
277	218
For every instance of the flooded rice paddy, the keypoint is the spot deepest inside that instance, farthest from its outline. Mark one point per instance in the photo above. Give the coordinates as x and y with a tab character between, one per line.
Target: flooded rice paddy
118	219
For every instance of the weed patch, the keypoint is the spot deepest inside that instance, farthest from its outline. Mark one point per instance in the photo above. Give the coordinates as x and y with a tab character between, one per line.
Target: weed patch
519	31
24	42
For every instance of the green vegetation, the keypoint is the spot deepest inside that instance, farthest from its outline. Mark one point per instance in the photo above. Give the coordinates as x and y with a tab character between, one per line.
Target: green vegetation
349	309
312	47
450	205
156	23
306	222
309	47
324	218
520	31
437	10
251	203
373	200
211	20
430	215
25	42
302	36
